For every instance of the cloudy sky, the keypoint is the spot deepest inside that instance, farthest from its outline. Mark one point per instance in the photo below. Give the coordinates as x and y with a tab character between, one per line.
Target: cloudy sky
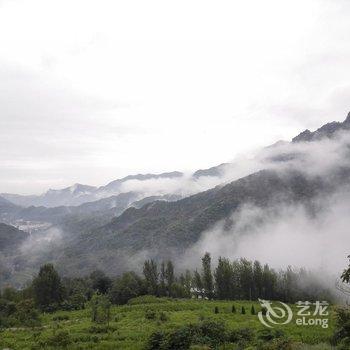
94	90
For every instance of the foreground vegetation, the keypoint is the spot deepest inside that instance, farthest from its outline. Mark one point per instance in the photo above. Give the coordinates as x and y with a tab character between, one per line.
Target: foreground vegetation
144	321
164	311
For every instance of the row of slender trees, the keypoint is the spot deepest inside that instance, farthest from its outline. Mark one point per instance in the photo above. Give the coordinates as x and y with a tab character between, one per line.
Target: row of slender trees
238	279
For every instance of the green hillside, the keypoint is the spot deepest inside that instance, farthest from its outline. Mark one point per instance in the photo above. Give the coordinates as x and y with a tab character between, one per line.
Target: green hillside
131	326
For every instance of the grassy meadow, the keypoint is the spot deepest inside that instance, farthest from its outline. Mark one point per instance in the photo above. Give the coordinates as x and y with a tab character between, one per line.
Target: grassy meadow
132	324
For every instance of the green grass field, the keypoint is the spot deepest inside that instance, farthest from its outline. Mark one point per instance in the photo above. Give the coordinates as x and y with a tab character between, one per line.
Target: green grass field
130	329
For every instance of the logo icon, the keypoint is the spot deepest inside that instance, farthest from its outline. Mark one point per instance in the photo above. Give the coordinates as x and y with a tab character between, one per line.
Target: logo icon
274	315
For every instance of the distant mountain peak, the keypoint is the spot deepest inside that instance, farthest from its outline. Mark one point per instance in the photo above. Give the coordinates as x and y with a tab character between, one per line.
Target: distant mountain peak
325	131
140	177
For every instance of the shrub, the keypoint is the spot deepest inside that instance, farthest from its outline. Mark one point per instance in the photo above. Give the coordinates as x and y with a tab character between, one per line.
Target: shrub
206	333
179	339
163	316
342	330
277	344
156	341
252	310
216	310
270	334
74	302
233	309
210	332
60	339
241	335
243	310
150	314
27	314
100	309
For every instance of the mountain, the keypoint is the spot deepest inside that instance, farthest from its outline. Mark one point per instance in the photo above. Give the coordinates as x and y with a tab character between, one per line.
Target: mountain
116	184
115	232
162	229
73	195
328	130
213	171
114	204
78	194
166	229
7	209
180	223
11	238
168	198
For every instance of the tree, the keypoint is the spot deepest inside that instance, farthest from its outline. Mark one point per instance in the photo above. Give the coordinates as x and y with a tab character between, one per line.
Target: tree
150	272
128	286
162	285
223	279
246	278
252	310
198	284
100	282
258	279
345	277
269	282
26	313
187	283
169	276
100	309
47	288
208	283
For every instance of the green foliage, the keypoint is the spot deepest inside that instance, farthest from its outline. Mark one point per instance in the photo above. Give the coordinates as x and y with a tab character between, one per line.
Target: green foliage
129	330
252	310
224	276
277	344
266	335
148	299
100	282
48	288
241	335
346	274
98	329
163	316
61	317
341	335
150	272
150	314
100	309
126	287
59	339
243	310
179	339
233	309
216	310
156	341
26	313
207	276
75	301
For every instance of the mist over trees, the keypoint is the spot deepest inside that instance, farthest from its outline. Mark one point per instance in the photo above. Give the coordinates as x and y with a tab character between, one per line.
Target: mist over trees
240	279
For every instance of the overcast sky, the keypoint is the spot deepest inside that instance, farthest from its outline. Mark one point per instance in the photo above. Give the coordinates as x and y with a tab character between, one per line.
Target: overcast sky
91	91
